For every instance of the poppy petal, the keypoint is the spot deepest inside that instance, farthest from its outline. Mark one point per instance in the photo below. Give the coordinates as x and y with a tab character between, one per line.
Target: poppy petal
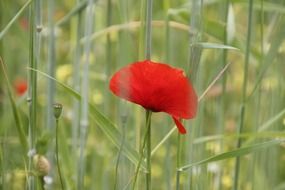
179	125
157	87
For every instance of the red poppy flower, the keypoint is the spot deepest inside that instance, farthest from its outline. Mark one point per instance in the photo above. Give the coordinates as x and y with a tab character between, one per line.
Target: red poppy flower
20	86
157	87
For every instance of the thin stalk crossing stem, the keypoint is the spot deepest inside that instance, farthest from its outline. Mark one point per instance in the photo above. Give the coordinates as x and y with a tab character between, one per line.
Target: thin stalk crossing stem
76	86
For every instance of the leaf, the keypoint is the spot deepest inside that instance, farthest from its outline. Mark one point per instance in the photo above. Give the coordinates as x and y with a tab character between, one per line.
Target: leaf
267	124
235	153
103	122
16	115
207	45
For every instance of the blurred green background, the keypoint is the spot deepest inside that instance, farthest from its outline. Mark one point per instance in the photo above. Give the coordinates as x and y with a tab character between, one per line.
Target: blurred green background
246	101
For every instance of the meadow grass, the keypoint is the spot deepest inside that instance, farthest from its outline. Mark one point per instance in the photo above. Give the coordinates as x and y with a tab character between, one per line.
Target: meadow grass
67	51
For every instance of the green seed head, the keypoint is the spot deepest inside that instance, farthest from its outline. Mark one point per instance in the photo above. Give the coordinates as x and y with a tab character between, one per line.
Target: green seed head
57	109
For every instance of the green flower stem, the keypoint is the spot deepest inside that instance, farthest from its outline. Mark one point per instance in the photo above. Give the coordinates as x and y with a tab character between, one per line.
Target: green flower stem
179	154
148	112
56	154
147	133
148	150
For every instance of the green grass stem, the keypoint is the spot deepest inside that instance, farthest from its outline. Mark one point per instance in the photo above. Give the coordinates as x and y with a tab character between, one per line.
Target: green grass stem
57	155
51	64
244	91
84	120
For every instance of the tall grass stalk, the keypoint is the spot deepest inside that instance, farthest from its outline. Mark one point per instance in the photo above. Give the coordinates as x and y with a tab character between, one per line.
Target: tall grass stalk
244	90
51	62
108	68
51	65
2	169
148	34
141	55
109	102
148	48
2	163
35	29
195	28
124	56
221	117
167	159
259	94
84	121
76	85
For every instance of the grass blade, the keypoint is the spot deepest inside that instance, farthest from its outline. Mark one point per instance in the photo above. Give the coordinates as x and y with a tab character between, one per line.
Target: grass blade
5	30
16	115
235	153
207	45
103	122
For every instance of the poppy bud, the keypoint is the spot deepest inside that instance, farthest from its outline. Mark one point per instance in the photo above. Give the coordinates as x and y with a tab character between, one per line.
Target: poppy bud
57	109
41	164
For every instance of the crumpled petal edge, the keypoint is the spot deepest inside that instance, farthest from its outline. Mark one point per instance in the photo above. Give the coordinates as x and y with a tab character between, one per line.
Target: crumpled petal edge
179	125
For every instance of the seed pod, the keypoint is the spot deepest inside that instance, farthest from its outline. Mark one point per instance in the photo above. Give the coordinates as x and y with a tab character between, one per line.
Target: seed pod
57	109
41	164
